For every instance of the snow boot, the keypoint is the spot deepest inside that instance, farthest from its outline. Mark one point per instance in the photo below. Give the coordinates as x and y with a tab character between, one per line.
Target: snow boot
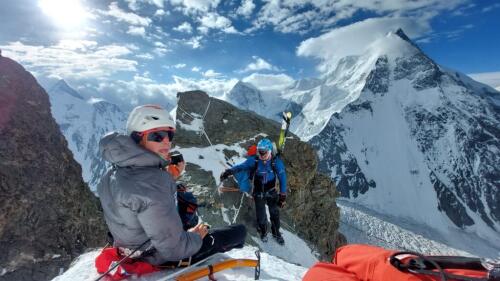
277	236
262	229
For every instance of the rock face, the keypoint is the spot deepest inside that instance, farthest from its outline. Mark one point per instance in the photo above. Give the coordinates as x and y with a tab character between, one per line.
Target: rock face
311	207
48	215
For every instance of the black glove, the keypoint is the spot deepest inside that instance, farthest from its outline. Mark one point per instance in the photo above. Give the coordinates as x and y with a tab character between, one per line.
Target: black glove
281	200
176	157
226	174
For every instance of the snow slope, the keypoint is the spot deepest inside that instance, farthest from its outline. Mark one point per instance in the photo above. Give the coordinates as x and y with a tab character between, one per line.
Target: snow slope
362	225
272	268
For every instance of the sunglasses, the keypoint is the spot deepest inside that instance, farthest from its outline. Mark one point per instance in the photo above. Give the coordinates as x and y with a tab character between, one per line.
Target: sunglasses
262	152
159	136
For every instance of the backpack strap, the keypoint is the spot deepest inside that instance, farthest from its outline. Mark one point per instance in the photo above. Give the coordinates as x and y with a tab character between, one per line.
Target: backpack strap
273	165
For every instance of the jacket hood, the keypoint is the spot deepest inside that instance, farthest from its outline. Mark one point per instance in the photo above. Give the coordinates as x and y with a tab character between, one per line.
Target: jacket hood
122	151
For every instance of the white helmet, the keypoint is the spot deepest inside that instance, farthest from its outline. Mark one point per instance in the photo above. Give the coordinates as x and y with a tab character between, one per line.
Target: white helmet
149	116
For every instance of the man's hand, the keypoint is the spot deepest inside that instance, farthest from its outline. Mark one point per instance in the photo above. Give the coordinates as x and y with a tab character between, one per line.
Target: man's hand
226	174
201	229
281	200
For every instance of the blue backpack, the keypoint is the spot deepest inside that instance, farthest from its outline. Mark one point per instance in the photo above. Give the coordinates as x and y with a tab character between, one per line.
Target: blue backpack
244	178
187	206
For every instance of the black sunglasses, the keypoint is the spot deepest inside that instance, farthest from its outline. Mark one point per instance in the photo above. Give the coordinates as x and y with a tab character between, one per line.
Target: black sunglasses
262	152
158	136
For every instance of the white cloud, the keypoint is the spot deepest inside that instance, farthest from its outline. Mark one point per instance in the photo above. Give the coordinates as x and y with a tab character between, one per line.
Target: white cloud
196	69
120	15
259	64
353	39
184	27
161	12
70	44
179	65
134	5
292	16
68	61
489	78
212	86
211	73
215	21
145	56
490	7
194	42
160	51
143	90
269	82
195	6
246	8
137	30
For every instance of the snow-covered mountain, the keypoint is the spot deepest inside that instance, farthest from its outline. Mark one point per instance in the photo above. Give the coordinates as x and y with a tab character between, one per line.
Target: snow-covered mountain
405	136
266	103
419	141
83	123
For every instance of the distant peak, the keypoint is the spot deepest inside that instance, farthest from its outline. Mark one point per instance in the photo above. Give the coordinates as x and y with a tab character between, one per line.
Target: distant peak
245	85
401	34
62	86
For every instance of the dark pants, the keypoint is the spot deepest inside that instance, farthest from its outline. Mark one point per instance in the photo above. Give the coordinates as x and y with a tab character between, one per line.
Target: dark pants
218	240
266	194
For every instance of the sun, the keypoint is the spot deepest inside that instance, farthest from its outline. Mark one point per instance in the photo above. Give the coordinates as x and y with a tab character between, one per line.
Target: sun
67	14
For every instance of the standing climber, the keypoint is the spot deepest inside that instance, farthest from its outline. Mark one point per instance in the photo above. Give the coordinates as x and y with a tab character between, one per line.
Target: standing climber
266	167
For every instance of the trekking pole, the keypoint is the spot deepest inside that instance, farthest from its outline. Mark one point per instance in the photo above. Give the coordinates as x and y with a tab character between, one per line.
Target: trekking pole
121	261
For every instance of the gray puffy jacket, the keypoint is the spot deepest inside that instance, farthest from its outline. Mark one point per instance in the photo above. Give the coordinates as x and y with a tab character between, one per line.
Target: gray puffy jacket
139	203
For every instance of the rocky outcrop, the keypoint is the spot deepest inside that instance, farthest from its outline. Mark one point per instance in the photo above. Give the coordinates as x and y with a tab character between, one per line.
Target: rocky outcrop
48	216
311	208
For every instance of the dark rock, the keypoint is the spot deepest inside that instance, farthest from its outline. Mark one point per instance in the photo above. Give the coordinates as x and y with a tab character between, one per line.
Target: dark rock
449	204
48	216
311	204
378	79
338	162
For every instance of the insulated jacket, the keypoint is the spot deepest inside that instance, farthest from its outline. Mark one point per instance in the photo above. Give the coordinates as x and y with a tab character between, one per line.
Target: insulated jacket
264	172
138	199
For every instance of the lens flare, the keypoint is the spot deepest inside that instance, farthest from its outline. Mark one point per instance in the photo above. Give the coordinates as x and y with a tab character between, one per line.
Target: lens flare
67	14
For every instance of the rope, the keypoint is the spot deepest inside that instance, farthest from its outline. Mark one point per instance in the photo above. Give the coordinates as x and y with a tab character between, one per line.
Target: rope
206	111
238	210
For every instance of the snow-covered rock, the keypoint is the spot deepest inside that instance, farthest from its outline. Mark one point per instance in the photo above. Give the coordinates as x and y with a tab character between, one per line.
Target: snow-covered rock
83	123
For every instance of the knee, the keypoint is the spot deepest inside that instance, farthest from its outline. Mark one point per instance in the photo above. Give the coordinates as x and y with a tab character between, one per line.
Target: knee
240	230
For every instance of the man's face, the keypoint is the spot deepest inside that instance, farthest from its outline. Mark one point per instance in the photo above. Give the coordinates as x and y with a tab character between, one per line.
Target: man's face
264	154
158	141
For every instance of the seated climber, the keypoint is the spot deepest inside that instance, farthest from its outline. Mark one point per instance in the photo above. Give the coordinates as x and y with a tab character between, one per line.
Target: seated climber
137	196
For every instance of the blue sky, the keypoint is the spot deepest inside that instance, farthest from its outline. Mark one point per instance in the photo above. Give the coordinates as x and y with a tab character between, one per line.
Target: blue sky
146	51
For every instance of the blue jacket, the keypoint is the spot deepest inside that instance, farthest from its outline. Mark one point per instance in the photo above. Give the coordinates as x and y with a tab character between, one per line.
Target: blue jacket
264	172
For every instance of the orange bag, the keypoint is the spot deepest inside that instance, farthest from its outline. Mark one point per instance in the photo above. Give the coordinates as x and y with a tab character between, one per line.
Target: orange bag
370	263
